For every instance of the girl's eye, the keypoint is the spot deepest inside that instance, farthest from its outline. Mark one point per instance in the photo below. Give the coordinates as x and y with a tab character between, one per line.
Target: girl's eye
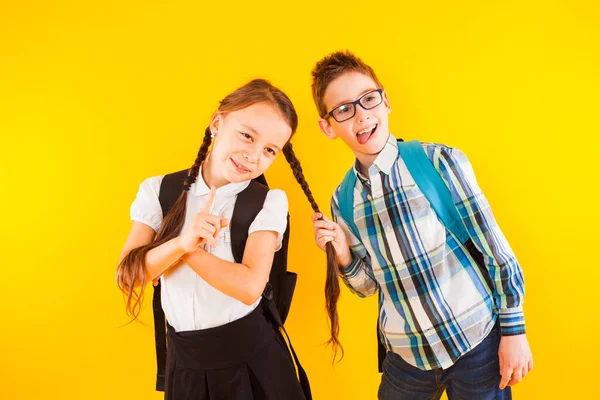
270	150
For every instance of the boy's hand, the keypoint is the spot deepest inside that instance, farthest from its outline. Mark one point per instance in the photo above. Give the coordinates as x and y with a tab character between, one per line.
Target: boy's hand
515	359
328	231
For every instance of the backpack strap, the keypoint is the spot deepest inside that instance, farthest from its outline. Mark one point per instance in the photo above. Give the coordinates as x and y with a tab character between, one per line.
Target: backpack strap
430	182
170	189
248	204
433	187
271	311
283	281
346	201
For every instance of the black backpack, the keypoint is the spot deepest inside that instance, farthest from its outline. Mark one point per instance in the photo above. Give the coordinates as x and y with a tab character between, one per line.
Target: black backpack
279	290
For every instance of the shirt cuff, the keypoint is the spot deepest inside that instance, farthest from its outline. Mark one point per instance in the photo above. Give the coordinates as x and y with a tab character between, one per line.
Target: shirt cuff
512	321
353	269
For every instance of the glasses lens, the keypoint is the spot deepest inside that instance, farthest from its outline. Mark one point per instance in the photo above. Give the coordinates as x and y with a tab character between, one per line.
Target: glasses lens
343	112
370	100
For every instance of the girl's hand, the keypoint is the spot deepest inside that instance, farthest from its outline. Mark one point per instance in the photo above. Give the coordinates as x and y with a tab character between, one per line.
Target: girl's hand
204	227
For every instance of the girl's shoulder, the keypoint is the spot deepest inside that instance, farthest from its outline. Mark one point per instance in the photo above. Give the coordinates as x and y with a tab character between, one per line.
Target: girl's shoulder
152	184
146	206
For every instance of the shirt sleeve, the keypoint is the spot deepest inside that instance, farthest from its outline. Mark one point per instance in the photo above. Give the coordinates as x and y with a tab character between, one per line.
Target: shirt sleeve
146	207
357	276
273	216
477	216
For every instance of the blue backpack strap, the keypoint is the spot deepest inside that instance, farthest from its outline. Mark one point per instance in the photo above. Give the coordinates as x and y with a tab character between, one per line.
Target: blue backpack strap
346	201
433	187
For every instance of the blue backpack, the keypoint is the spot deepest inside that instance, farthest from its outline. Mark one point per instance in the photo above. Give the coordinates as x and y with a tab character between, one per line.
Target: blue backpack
435	190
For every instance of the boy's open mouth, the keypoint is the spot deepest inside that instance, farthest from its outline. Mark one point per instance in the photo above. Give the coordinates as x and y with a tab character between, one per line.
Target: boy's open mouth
365	134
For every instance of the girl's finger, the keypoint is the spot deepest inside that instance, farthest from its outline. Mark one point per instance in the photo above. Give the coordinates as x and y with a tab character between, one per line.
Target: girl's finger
207	227
207	206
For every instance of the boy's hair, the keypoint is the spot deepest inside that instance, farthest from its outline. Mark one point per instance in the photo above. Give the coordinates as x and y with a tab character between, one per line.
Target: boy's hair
333	66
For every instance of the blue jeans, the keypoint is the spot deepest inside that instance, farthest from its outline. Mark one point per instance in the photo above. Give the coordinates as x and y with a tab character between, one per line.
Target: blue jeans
475	376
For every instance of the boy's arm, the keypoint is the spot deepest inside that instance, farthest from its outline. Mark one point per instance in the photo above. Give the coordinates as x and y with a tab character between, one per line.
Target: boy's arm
481	225
358	275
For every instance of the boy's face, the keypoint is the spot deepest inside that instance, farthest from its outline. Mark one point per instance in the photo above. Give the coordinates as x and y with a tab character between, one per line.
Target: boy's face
367	131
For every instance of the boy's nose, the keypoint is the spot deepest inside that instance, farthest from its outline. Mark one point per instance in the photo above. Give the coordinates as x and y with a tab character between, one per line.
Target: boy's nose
362	114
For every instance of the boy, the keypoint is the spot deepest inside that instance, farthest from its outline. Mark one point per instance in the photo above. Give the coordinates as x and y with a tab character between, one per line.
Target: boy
448	322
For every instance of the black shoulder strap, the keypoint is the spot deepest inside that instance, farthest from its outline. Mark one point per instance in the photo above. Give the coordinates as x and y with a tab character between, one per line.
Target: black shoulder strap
247	206
170	189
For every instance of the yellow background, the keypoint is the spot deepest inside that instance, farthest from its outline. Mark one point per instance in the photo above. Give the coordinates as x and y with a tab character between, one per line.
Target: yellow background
95	96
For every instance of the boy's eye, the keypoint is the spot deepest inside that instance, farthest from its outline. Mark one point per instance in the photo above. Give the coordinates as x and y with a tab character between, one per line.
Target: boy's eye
343	109
369	99
246	136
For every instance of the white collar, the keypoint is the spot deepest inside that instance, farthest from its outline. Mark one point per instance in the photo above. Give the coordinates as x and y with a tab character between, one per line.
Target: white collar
200	188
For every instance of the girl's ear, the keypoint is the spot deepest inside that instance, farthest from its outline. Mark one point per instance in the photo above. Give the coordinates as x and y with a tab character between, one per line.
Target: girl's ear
327	129
216	122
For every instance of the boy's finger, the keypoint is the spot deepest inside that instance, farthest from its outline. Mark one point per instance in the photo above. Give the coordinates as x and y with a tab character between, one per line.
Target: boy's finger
324	225
321	242
224	222
505	379
323	233
516	377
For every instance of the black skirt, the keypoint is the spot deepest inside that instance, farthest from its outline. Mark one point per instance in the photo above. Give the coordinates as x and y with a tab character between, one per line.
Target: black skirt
246	359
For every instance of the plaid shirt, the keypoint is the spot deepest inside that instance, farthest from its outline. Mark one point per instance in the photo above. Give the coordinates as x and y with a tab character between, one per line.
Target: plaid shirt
435	302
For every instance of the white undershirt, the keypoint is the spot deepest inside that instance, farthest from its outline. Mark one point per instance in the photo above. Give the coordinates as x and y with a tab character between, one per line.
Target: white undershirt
189	302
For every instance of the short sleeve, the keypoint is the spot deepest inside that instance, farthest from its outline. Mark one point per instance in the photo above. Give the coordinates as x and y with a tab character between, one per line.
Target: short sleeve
146	207
273	216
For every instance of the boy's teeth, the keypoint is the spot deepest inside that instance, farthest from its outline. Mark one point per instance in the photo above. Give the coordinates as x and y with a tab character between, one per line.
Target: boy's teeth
369	129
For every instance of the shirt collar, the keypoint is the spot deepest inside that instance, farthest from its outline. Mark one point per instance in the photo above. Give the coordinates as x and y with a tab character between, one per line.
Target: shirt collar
385	159
200	188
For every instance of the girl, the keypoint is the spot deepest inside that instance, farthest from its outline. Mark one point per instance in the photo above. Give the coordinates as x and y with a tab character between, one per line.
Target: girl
210	301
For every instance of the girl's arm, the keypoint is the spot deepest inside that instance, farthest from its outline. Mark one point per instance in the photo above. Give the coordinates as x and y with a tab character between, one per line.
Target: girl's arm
160	258
203	228
245	281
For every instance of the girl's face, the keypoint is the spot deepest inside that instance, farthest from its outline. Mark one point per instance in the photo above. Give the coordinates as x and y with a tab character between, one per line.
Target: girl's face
247	141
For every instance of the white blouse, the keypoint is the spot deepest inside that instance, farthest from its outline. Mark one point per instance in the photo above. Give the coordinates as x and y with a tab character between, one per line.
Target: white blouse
189	302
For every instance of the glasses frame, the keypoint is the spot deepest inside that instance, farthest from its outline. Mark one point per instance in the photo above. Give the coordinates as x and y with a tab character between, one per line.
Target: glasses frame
354	103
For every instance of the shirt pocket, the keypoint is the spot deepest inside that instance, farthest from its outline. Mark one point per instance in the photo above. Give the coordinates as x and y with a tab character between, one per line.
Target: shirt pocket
224	237
223	245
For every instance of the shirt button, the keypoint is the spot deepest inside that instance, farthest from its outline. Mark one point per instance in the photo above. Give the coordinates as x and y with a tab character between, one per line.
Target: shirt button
389	228
429	332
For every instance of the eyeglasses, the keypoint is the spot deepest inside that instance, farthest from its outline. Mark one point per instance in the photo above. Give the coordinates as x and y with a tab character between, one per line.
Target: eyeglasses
346	111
